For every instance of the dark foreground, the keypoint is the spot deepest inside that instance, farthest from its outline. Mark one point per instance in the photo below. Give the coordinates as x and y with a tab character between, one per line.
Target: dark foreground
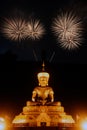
44	128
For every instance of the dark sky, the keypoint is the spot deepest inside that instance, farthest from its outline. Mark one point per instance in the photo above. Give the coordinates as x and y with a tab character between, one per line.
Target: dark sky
46	11
20	62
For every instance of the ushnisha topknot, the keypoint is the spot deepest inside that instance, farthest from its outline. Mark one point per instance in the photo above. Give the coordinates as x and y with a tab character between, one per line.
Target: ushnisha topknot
43	73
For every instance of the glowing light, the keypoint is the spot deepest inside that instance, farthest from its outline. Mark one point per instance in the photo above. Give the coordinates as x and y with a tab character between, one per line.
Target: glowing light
68	29
20	119
67	119
14	29
84	125
2	123
35	29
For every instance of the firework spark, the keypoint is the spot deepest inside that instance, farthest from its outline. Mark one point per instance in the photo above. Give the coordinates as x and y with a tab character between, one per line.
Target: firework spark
68	29
14	29
35	29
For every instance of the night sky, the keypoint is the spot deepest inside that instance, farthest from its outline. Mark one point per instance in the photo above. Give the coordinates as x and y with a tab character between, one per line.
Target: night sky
21	61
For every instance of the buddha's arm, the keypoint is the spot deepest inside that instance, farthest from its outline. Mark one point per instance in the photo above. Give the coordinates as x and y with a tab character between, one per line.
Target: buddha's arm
52	95
33	95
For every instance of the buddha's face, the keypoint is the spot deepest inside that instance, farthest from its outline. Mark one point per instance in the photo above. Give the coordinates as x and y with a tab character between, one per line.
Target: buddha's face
43	81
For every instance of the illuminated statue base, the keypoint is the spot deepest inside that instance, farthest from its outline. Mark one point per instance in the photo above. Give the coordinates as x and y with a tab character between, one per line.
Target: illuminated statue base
43	115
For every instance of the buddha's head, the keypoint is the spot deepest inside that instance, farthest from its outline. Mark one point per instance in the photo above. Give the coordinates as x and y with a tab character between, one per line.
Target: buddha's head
43	78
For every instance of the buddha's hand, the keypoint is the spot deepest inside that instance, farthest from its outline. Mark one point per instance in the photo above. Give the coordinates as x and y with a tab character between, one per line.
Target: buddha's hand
52	100
33	99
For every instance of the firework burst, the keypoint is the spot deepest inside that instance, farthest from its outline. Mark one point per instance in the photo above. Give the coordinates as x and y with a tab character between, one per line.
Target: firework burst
35	29
14	29
68	30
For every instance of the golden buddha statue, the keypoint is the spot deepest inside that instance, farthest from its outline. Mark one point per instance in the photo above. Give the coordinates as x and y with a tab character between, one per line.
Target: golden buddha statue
42	94
43	110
